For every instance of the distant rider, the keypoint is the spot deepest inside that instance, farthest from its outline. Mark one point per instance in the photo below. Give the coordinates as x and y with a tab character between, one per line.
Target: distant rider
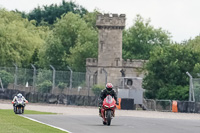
19	95
107	91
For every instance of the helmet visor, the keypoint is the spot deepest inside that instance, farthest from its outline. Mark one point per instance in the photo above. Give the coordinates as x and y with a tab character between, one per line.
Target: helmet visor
109	89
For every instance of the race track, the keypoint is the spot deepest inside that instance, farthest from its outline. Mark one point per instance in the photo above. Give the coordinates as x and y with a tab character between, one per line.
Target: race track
120	124
77	119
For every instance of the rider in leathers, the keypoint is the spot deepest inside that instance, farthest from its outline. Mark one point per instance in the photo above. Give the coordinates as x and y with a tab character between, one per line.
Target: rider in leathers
108	91
15	99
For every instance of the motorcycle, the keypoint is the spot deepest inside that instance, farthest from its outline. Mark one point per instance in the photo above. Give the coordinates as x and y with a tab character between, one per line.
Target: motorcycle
108	110
19	105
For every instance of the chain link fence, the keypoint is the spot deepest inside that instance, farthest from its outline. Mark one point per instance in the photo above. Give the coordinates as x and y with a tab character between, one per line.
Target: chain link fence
150	104
158	105
163	105
47	81
196	89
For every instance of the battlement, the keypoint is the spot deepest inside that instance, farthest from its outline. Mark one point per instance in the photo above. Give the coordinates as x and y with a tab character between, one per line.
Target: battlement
91	62
111	21
134	63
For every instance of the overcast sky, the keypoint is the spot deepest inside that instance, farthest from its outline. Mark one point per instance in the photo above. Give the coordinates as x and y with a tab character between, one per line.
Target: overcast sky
180	17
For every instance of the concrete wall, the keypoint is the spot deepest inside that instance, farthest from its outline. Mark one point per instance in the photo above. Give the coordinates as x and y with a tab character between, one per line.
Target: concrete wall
51	98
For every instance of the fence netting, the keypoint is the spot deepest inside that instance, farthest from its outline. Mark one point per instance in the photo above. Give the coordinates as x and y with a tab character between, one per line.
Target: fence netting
40	79
196	89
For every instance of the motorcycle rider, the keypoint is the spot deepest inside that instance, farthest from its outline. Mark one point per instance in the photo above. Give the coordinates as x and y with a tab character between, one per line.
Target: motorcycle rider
107	91
19	95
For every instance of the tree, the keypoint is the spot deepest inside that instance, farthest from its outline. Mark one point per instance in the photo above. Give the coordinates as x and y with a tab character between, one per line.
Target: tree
167	69
45	87
18	39
193	44
49	14
90	19
141	38
52	53
70	44
6	78
62	86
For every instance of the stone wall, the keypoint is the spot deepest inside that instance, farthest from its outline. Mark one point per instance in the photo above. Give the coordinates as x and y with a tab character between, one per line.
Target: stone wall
51	98
110	20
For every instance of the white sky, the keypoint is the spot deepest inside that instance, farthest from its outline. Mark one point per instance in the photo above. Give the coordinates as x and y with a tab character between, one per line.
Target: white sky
180	17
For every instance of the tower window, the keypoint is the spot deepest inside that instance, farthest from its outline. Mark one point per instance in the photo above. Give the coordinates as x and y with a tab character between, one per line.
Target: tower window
101	42
117	61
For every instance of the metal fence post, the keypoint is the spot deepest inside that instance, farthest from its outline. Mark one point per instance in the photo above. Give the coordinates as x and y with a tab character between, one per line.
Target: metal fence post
71	72
191	90
16	70
1	84
34	77
54	74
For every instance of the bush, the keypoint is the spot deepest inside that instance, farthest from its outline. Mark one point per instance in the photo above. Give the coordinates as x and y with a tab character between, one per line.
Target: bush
97	89
62	86
45	87
173	92
6	78
44	75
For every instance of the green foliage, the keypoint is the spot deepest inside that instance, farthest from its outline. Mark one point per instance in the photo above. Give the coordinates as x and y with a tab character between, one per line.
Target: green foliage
12	122
141	38
173	93
43	75
49	14
52	53
6	78
79	53
45	87
62	86
90	19
97	89
167	69
18	39
70	44
196	72
194	44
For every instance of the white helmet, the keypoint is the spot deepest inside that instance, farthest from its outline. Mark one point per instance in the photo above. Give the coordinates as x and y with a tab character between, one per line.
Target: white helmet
19	95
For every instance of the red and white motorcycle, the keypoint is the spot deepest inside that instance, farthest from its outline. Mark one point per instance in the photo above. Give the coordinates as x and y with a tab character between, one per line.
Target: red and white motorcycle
108	109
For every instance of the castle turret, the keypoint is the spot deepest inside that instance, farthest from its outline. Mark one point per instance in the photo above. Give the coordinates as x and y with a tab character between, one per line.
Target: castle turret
110	39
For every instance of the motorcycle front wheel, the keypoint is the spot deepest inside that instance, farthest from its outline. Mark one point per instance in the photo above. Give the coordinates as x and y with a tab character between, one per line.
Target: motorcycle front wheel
19	111
109	117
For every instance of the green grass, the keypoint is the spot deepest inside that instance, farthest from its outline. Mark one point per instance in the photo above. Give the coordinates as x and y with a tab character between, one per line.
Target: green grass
12	123
36	112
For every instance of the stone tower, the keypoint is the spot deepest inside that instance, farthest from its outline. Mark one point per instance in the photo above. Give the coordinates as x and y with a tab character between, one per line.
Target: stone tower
110	67
110	39
110	43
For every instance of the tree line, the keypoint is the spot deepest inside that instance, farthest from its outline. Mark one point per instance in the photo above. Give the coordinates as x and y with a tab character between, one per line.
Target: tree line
65	35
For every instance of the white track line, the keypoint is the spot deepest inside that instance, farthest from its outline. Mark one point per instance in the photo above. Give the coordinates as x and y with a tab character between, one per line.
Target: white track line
46	124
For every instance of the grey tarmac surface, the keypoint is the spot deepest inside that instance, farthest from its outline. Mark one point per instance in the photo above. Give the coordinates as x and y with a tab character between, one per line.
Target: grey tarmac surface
120	124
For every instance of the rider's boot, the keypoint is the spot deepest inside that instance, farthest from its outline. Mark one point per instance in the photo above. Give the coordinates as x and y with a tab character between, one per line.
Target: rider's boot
100	111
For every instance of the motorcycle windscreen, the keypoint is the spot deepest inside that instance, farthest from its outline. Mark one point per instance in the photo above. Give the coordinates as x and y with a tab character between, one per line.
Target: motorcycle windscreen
20	101
109	99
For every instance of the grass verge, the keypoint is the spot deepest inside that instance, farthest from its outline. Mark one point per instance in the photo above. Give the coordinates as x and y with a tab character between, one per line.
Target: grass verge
11	123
